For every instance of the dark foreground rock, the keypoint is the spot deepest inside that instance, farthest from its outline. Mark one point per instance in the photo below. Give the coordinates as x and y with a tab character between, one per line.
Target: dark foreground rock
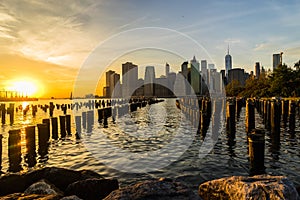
261	187
154	190
52	183
92	188
60	177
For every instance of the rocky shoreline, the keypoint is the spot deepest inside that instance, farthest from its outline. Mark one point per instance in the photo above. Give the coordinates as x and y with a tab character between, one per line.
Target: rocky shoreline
53	183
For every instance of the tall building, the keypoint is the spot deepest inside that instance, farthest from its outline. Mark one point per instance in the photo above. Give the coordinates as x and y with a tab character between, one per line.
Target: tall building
167	69
237	74
108	81
149	82
185	72
228	63
204	72
195	75
277	60
129	79
257	70
114	85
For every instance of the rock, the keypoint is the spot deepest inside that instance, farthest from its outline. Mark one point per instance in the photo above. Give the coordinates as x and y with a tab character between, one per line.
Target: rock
92	188
43	187
60	177
20	196
154	190
257	187
73	197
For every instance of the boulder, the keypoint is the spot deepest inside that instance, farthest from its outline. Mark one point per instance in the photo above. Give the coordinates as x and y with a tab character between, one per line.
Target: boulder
43	187
261	187
60	177
72	197
154	190
92	188
21	196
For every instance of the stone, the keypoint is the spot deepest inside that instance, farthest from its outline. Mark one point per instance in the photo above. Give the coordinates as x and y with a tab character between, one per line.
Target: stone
42	187
261	187
92	188
163	189
60	177
21	196
72	197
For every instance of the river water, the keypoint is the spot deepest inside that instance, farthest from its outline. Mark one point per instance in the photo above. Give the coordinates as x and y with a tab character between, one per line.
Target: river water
138	141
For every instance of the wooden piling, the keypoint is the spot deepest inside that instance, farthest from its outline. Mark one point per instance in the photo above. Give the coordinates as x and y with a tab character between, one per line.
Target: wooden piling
1	151
11	111
90	121
250	116
230	117
51	109
62	123
14	150
43	142
84	120
275	117
54	124
256	142
30	157
292	116
78	126
3	113
47	121
68	124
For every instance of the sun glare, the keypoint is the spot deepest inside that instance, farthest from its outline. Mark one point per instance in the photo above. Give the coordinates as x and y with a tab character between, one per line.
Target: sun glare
25	88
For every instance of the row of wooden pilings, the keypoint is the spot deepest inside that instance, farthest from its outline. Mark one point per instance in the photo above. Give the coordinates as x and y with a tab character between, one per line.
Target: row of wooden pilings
198	110
85	121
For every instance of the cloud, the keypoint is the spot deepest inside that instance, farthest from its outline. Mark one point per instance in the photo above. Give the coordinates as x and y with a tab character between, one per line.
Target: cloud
232	41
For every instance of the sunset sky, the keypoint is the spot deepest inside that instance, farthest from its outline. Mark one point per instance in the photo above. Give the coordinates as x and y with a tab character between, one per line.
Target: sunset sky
47	42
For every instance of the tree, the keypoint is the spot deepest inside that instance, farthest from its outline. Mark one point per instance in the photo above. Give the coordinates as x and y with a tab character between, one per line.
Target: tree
233	88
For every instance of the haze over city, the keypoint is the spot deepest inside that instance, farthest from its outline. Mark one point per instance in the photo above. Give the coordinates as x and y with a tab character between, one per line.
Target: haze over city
45	43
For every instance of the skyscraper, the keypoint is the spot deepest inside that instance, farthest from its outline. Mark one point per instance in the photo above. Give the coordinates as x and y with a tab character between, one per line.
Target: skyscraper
257	70
149	81
228	62
167	69
204	70
195	75
277	60
108	89
129	79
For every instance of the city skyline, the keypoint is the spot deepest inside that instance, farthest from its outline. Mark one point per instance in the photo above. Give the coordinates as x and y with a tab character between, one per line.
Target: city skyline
46	43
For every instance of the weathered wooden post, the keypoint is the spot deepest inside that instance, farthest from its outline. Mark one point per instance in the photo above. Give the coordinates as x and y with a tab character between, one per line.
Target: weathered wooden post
105	122
3	112
250	116
275	117
30	157
43	142
54	124
84	120
11	112
268	115
34	110
100	116
68	124
90	121
14	150
292	115
285	110
230	117
256	142
78	126
1	151
51	108
47	122
62	123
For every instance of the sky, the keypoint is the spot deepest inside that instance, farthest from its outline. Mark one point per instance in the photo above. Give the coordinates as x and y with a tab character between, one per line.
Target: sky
51	42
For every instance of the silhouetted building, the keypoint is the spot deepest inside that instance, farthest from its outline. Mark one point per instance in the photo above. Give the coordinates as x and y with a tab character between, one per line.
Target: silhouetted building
257	70
277	60
161	87
114	85
129	79
149	81
237	74
185	72
228	63
204	72
167	69
195	75
171	81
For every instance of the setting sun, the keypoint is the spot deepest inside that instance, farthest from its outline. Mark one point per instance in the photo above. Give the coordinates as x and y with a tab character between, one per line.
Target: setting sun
24	87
